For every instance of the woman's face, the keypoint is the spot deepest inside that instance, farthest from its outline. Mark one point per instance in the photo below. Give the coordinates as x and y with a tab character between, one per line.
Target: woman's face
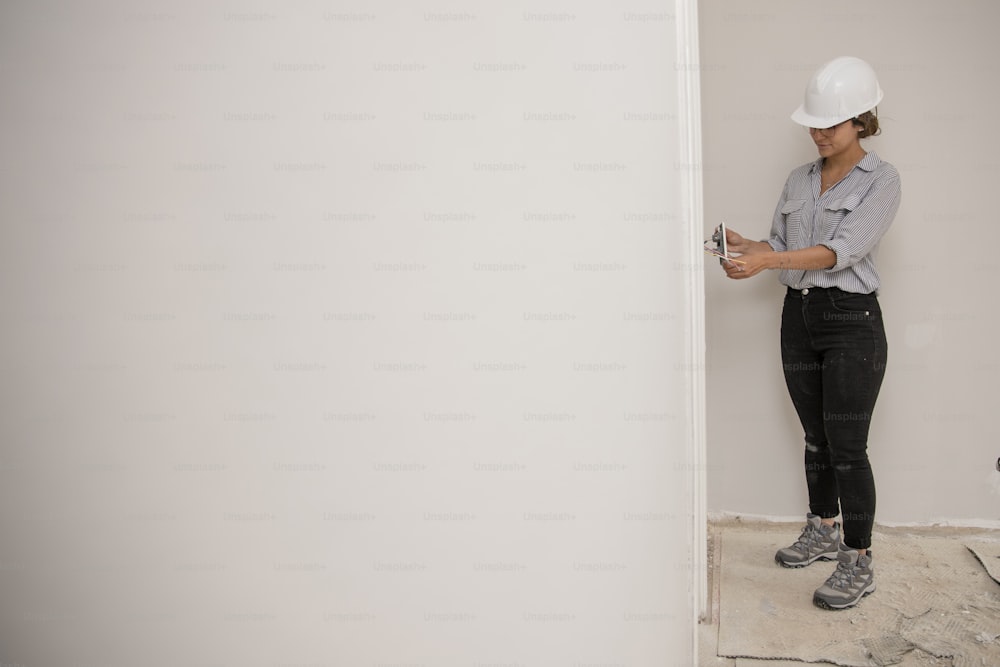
835	140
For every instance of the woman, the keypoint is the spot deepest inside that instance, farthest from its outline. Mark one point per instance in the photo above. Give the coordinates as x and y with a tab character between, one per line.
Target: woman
824	237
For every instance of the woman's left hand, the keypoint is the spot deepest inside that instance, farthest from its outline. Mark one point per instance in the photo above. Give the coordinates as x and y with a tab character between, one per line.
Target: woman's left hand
746	266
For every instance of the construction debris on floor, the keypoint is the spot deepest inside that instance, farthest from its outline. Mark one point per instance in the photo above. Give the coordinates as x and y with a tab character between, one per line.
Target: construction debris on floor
937	602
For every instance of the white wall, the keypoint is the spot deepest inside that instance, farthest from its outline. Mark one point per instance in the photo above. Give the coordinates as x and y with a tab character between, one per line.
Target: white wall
932	443
346	333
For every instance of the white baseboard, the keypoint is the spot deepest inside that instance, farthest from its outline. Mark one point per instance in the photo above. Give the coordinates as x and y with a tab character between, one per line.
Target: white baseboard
985	524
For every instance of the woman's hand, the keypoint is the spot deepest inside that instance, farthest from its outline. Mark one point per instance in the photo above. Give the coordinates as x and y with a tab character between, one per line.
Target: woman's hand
749	257
746	266
735	243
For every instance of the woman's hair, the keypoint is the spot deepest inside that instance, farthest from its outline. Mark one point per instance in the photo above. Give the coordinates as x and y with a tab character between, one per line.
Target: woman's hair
868	122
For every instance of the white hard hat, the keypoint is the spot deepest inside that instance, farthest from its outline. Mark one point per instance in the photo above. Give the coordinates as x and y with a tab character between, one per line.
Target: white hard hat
843	88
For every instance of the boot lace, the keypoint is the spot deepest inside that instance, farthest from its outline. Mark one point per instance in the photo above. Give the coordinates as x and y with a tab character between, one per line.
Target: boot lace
842	577
809	538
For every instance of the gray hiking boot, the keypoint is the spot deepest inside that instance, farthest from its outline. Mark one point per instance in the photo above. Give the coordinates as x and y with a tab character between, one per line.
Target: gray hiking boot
853	579
817	542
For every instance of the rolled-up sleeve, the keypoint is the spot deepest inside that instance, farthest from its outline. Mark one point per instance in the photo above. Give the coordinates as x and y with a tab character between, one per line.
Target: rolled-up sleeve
863	226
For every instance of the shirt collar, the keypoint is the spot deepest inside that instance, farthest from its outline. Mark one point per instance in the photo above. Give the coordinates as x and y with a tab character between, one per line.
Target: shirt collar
868	163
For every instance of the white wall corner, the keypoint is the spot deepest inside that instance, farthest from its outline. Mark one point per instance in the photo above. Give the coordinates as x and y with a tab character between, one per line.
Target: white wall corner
690	165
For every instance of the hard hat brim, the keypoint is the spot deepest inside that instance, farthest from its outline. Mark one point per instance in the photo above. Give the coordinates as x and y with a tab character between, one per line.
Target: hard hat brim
802	117
807	120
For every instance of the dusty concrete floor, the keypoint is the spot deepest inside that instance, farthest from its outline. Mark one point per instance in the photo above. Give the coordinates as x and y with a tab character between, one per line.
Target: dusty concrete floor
987	655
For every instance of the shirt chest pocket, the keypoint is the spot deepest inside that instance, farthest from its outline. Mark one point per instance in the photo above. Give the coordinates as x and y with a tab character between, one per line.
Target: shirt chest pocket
792	210
834	213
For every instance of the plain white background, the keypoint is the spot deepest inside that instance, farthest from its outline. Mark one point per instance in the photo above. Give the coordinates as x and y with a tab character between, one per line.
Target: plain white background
932	444
345	333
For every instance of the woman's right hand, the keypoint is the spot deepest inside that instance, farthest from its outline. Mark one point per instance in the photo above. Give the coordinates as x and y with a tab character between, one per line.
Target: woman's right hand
736	244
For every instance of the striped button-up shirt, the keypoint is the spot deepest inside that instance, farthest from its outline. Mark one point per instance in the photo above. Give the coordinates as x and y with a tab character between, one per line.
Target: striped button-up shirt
849	219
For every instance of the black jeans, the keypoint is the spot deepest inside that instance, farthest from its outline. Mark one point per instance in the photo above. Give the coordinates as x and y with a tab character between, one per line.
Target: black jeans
833	350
